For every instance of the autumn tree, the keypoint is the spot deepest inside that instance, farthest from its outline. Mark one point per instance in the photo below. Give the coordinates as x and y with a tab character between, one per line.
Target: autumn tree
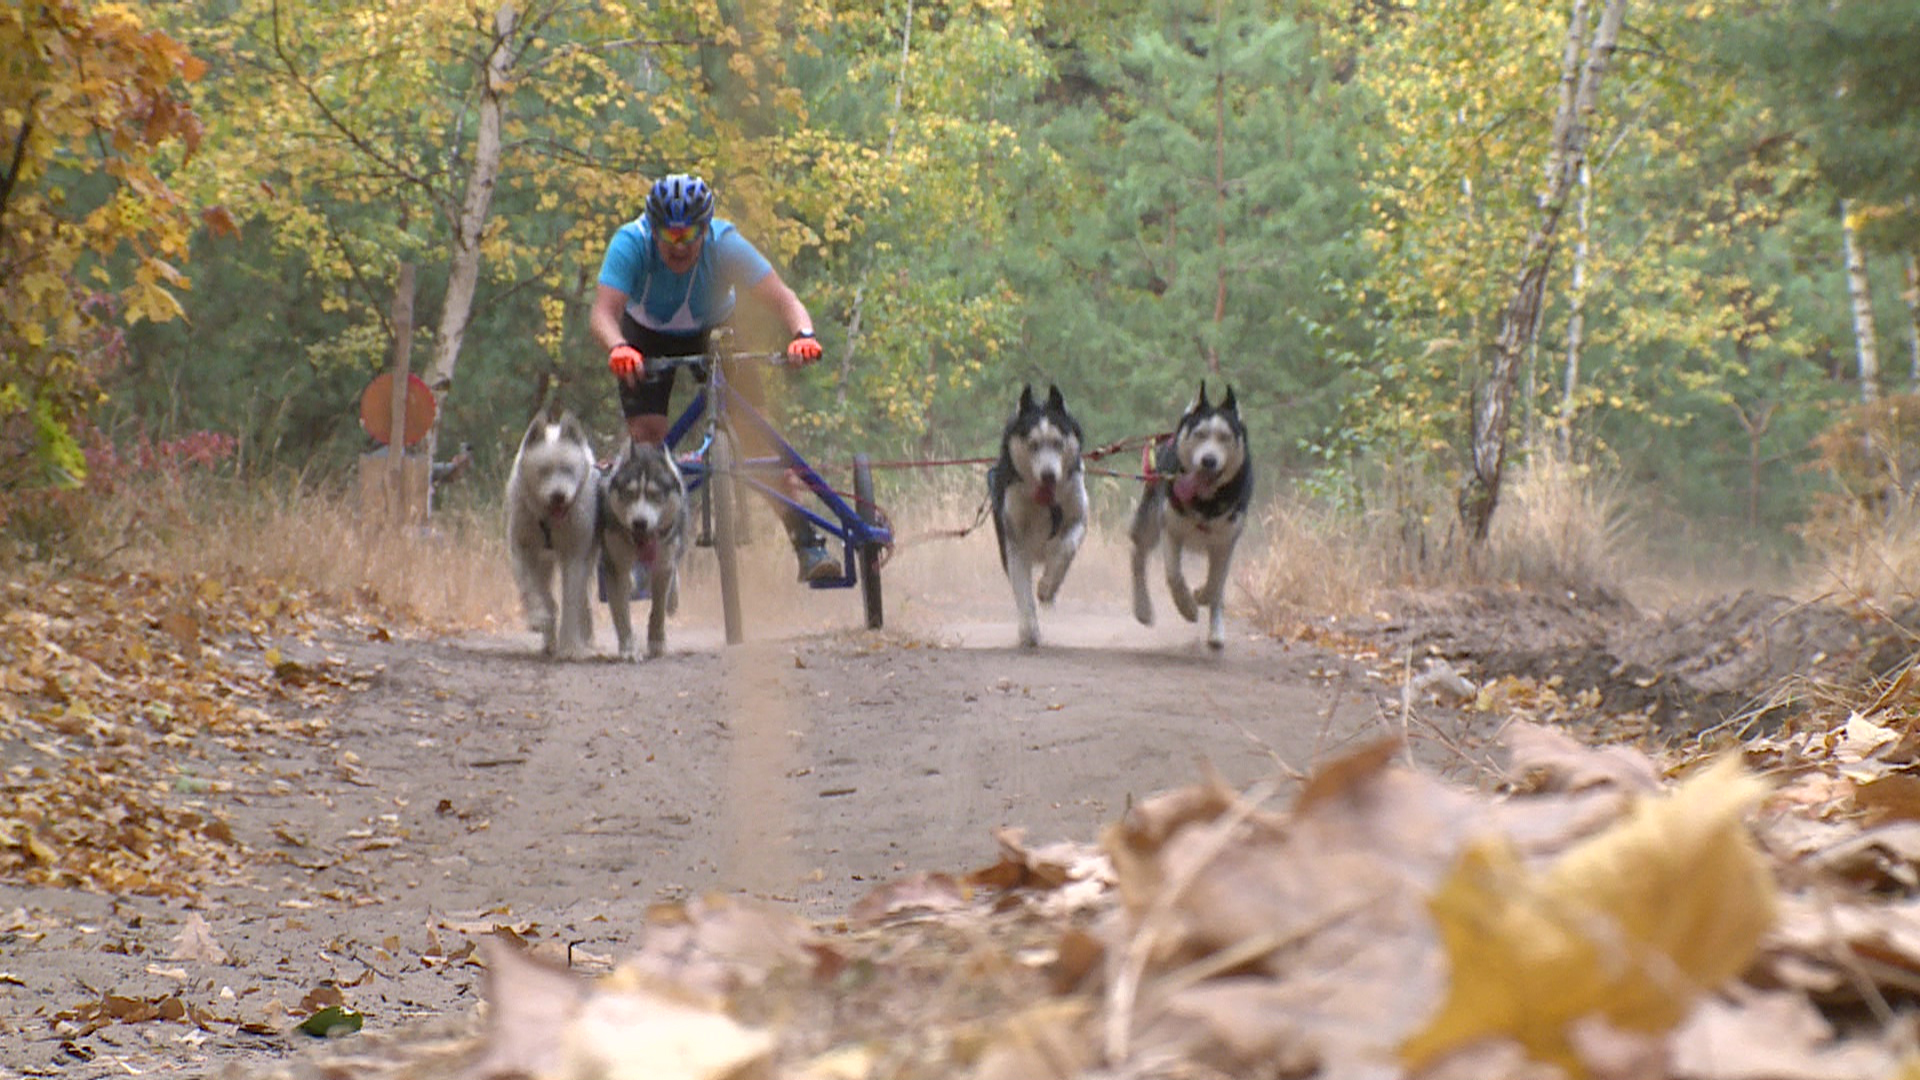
91	235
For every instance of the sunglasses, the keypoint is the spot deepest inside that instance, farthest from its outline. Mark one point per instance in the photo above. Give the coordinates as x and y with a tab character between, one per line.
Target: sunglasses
681	235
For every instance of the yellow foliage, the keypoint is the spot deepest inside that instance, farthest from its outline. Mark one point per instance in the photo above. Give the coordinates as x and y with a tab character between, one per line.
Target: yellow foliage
1630	926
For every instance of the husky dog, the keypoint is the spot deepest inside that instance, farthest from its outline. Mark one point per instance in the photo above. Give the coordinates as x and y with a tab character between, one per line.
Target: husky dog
1039	499
643	522
1201	488
550	527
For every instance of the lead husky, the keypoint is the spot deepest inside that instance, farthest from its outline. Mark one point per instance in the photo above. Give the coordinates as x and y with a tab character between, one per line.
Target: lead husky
1039	499
1202	487
643	521
551	502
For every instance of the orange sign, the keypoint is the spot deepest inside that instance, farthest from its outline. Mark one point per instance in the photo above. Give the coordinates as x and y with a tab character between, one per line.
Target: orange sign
376	408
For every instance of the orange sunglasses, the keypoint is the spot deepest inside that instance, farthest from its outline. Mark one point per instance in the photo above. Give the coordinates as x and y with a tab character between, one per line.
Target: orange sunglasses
680	235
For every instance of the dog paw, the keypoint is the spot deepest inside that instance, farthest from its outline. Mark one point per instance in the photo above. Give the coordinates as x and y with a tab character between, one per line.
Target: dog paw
1143	610
1183	601
656	649
1029	637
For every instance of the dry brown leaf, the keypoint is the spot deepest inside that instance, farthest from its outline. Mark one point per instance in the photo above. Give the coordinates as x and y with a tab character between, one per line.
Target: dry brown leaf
716	945
1768	1036
196	942
530	1005
1046	1042
1563	763
920	893
1893	797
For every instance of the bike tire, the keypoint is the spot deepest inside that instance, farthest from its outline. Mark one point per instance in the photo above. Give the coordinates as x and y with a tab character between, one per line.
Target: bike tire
869	552
725	508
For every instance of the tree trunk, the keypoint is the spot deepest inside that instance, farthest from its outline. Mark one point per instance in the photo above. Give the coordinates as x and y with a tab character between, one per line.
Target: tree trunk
470	225
1219	194
397	407
1576	315
1579	90
1865	350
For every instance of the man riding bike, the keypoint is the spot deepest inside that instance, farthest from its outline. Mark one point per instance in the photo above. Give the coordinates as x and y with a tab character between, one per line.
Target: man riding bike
668	280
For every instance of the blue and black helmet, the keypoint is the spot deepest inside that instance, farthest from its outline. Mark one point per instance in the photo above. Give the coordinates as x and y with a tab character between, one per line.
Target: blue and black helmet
679	200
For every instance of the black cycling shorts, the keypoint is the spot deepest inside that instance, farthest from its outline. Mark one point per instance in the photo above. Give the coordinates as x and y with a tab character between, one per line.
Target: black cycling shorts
651	395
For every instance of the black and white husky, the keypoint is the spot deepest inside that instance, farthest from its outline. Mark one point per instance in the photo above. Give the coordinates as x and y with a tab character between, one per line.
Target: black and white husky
643	522
1039	498
551	502
1202	487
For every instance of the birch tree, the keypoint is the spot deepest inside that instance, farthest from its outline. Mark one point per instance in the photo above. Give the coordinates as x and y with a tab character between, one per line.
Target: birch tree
1589	49
1860	301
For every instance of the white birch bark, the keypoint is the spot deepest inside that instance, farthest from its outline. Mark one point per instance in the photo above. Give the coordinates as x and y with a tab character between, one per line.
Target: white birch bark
1520	320
1576	314
1866	352
470	224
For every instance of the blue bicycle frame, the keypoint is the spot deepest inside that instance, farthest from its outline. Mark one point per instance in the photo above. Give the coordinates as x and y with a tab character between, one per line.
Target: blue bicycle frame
846	524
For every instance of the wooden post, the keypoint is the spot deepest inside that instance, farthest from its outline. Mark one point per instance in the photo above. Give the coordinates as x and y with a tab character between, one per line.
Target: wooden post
397	489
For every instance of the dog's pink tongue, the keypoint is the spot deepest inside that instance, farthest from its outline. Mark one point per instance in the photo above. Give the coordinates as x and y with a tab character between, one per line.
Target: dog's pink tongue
1185	487
1043	493
649	551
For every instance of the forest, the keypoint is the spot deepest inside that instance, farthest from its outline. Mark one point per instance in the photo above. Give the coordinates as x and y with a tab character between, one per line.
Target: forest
1672	244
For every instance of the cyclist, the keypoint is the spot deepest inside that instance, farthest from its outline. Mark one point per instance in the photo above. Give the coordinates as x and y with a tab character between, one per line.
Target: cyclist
669	279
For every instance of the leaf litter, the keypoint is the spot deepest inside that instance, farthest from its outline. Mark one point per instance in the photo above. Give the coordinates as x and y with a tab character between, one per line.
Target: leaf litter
1600	914
1603	918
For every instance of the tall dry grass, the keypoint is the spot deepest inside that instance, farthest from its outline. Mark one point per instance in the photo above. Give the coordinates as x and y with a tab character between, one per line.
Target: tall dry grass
1869	556
314	537
1559	526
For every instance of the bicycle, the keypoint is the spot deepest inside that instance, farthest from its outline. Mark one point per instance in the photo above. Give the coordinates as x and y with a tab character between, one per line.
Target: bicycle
716	471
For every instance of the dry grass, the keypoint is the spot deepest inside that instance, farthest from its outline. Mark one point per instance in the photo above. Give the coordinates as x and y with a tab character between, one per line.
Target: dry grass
1874	557
448	576
1559	526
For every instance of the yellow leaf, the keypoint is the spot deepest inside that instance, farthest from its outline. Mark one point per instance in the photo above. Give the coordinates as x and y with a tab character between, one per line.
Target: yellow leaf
1630	925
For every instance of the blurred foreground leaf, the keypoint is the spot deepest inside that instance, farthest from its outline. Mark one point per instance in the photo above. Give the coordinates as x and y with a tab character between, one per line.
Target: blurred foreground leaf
1631	925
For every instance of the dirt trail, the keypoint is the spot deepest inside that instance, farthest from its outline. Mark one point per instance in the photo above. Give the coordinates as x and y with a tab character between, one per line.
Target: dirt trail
473	784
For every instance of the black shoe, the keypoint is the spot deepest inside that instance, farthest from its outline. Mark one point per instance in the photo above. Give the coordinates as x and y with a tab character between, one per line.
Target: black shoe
816	564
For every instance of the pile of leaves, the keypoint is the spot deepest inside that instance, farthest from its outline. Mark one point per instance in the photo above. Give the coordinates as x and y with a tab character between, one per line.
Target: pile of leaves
110	690
1599	918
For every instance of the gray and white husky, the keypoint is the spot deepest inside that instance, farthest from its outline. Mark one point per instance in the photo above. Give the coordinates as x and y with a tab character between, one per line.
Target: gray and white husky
1202	488
1039	498
552	496
643	522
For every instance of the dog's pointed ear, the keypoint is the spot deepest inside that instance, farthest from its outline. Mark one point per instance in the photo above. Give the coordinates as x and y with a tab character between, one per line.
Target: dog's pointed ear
1228	404
1200	400
571	430
536	430
1026	398
1054	401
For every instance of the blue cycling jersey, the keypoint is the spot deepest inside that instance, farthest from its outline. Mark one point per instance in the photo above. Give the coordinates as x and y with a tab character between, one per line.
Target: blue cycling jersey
681	304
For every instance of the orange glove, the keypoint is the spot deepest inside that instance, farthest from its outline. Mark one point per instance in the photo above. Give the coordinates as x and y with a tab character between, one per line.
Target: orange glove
625	362
803	349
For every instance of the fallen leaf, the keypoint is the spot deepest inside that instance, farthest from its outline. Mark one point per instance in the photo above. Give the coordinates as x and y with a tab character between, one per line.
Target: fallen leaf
195	942
1631	925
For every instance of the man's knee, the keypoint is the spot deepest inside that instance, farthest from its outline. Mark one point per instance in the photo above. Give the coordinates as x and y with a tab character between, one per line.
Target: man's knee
647	428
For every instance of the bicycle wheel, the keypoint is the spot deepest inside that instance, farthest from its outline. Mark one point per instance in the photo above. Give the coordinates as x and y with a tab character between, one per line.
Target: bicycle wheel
869	552
726	530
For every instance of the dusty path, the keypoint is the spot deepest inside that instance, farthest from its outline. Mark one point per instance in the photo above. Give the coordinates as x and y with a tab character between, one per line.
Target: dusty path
471	784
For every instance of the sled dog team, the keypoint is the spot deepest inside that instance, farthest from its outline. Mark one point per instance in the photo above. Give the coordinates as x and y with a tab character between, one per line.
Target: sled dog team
568	518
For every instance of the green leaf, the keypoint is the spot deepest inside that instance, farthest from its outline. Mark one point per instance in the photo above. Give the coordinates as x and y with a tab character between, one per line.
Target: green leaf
332	1022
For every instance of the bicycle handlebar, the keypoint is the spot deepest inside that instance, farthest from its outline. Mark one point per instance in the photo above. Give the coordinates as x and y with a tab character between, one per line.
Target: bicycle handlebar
701	361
